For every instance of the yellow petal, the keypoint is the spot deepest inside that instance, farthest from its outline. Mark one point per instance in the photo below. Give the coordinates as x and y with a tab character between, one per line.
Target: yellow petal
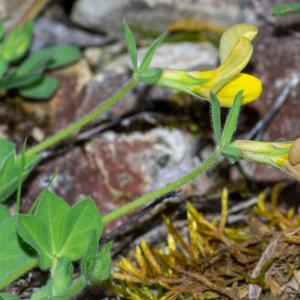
235	62
232	35
249	84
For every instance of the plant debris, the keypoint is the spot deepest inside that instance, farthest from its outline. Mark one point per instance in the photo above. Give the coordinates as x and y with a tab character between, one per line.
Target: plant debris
259	257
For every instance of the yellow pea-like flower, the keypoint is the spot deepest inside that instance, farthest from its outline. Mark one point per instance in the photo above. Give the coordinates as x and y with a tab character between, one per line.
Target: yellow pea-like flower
226	80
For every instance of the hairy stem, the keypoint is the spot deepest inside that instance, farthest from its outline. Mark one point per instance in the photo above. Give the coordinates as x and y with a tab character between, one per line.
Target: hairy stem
73	127
123	210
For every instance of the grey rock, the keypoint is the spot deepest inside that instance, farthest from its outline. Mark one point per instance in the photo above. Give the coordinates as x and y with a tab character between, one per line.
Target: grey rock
154	15
50	32
12	11
185	55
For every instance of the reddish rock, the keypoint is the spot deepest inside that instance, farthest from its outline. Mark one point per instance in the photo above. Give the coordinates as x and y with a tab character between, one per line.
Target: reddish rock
115	168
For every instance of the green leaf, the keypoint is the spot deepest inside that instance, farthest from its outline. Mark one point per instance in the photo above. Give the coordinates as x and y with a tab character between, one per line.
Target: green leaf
80	222
62	276
231	152
57	231
96	266
3	67
17	43
150	76
102	265
8	296
88	260
2	30
14	254
6	147
231	120
35	233
12	80
61	55
52	210
4	213
131	45
43	292
216	117
285	9
42	89
35	63
12	168
150	52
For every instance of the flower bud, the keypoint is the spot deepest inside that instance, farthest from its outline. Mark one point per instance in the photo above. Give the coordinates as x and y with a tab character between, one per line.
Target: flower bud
294	153
293	163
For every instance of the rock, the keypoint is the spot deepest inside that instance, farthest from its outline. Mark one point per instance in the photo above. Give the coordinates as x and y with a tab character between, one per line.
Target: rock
50	32
114	168
61	109
12	11
153	15
185	55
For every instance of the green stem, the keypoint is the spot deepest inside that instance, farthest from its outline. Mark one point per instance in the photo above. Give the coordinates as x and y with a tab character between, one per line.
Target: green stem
123	210
73	127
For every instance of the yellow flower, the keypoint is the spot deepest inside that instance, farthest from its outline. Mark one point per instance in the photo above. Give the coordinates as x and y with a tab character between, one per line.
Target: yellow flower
226	80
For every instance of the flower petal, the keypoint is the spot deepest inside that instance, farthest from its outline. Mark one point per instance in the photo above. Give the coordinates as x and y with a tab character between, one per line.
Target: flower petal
234	63
232	35
250	85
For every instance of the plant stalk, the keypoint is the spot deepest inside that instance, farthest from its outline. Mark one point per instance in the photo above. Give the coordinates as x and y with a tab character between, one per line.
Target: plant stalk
73	127
123	210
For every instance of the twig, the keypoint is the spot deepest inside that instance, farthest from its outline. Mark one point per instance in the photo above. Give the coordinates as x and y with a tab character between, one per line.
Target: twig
275	106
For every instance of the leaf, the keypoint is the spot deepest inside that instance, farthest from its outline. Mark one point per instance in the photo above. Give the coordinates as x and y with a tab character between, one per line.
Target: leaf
12	168
14	255
231	120
35	63
150	76
2	30
5	148
62	276
216	117
285	9
4	213
17	43
8	296
80	222
88	260
102	265
96	266
150	52
3	67
131	45
42	89
61	55
43	292
231	152
52	210
34	232
12	80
